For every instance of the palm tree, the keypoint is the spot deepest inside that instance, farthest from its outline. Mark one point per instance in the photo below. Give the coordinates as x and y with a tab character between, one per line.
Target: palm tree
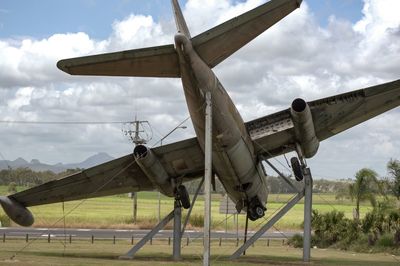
393	168
364	188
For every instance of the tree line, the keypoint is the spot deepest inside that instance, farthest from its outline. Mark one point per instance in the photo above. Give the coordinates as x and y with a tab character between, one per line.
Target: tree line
365	180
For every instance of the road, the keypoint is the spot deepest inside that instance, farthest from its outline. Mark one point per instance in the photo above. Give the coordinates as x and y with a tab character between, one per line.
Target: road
125	234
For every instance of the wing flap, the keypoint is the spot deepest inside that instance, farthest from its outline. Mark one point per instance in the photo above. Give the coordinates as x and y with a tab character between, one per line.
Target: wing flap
114	177
160	61
182	159
335	114
273	135
218	43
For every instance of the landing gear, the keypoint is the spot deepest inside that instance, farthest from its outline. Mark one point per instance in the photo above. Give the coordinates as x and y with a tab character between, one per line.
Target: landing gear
182	195
298	164
255	209
297	168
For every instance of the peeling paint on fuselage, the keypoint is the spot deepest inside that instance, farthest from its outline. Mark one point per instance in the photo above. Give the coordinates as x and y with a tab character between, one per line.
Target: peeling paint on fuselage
234	159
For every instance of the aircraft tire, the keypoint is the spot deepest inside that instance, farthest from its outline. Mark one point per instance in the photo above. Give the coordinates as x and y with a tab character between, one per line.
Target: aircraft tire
259	211
184	196
298	172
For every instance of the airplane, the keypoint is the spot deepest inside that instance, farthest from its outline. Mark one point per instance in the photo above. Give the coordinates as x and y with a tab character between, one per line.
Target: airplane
238	147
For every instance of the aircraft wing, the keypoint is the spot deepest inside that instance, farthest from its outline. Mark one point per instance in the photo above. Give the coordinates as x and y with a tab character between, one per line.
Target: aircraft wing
218	43
160	61
122	175
274	134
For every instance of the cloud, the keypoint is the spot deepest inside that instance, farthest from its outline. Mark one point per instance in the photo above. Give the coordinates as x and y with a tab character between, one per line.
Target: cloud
295	58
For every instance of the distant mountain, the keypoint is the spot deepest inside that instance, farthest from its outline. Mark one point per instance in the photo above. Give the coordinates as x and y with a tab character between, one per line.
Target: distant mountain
36	165
94	160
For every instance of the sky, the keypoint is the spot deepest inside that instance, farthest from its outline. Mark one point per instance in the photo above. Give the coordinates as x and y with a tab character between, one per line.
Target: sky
324	48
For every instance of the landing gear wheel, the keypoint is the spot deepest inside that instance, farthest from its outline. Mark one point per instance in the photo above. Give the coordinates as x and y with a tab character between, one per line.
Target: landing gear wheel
256	213
252	215
183	196
298	172
259	211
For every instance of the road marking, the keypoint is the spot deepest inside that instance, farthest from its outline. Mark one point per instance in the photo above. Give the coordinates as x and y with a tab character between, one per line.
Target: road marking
84	230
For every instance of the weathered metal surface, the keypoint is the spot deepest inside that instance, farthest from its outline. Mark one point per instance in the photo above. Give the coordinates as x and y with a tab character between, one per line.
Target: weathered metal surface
160	61
274	134
220	42
207	178
153	169
16	211
308	185
304	127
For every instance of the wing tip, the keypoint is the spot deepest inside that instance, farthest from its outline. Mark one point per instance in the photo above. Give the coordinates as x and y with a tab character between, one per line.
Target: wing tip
16	211
62	65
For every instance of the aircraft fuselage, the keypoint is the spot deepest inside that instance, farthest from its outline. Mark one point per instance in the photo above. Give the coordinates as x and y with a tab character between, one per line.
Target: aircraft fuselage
233	158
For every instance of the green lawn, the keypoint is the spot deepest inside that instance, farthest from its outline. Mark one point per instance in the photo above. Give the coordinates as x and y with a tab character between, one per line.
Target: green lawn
106	253
116	211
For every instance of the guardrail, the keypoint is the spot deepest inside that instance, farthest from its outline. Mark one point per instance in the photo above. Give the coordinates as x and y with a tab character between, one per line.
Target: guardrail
92	239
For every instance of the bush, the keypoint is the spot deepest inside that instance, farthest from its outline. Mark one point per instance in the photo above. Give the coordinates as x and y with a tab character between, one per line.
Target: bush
196	220
296	241
5	221
332	227
386	240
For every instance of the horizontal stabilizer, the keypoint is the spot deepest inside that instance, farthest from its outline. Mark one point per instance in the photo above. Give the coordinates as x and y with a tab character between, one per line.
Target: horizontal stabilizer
160	61
217	44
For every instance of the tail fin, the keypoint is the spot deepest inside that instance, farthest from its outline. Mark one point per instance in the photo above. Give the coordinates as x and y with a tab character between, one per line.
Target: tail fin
179	19
217	44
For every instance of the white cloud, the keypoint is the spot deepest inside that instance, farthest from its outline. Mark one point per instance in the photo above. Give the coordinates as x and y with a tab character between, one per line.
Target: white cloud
295	58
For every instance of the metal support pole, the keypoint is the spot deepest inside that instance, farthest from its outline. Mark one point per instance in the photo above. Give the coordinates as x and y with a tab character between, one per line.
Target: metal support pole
159	206
268	225
129	255
176	248
207	179
134	207
308	184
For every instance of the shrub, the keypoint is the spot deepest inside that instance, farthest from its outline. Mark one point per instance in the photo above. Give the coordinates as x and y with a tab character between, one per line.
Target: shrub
5	221
296	241
386	240
332	228
196	220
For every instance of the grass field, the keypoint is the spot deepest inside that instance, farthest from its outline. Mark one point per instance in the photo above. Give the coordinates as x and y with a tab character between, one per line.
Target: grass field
116	211
106	253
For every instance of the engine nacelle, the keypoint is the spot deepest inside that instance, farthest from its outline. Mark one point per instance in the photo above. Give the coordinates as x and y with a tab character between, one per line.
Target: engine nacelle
153	169
16	211
304	127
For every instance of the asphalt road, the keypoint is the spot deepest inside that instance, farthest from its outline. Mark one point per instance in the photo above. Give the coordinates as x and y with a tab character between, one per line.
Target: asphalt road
125	234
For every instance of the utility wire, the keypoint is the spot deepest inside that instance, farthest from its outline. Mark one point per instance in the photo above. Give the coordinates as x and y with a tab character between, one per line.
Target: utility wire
63	122
76	206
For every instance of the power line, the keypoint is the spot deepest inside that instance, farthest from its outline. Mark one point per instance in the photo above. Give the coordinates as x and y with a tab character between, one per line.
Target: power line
63	122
